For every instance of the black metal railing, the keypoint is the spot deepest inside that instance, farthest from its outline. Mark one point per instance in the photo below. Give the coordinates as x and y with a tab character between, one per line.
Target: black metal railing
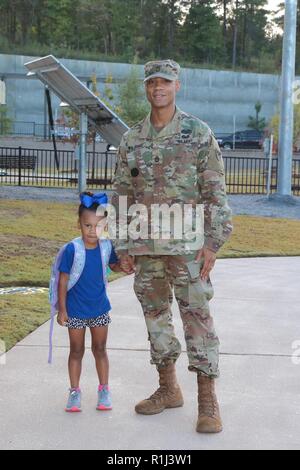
37	167
248	175
296	177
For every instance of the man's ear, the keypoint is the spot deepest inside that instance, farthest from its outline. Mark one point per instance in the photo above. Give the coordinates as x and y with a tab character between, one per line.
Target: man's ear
177	86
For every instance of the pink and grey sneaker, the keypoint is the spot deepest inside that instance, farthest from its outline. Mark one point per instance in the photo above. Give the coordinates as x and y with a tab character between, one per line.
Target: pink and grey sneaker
104	398
74	401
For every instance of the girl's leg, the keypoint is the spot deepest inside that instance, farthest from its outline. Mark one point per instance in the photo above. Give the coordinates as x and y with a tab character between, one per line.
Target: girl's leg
99	338
77	347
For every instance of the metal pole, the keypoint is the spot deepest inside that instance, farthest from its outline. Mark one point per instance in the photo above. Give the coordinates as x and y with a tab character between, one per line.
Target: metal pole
234	131
287	105
52	127
45	115
270	168
20	166
106	170
235	35
82	154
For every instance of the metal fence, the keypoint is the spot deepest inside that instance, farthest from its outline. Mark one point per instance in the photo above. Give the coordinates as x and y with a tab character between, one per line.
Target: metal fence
249	175
36	167
296	177
40	131
28	129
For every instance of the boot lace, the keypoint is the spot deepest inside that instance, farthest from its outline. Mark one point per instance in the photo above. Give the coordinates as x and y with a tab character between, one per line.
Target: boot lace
158	396
208	404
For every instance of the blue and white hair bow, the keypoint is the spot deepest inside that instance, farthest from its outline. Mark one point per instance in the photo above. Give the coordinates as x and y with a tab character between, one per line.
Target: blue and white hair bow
100	198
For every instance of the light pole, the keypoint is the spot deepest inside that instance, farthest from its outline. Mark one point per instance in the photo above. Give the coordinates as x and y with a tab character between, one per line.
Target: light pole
285	157
83	149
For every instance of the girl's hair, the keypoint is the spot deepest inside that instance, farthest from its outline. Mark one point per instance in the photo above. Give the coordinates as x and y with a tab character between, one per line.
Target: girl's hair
93	208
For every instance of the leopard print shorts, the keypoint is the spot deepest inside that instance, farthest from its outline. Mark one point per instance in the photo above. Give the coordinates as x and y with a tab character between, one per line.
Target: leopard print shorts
79	324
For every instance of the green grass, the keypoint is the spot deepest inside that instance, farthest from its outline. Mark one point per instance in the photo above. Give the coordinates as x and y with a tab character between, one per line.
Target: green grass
31	232
20	315
30	235
261	237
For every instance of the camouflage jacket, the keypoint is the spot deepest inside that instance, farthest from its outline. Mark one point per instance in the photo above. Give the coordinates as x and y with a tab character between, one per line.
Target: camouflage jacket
181	164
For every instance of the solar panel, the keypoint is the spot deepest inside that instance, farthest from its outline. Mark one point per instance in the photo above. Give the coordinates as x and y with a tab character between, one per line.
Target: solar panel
82	100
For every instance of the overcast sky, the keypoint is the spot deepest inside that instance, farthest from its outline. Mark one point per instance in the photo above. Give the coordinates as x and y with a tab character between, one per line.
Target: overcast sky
274	3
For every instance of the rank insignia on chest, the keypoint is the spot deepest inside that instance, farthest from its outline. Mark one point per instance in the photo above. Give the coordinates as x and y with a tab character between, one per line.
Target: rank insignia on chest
186	136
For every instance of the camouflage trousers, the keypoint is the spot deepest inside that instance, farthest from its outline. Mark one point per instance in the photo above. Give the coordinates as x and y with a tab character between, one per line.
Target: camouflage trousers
155	279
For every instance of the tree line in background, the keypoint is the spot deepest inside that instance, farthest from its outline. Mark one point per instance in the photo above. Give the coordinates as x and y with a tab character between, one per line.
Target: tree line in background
221	33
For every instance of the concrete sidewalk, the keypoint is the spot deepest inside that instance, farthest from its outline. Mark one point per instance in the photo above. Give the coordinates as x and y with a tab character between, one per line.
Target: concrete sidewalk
257	314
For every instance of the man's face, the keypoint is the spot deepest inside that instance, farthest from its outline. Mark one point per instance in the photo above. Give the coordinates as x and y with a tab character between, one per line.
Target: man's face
161	93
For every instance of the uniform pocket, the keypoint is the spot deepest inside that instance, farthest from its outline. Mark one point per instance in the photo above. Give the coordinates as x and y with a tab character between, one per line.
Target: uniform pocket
200	292
194	270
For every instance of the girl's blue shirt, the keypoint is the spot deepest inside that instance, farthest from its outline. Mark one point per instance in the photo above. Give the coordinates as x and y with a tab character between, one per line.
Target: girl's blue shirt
88	298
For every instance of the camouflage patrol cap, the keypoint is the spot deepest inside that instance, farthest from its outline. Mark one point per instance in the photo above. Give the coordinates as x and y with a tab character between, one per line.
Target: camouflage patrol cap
167	69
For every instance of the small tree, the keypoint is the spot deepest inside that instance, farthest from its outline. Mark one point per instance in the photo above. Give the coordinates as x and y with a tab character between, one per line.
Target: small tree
275	123
5	121
132	102
72	118
257	123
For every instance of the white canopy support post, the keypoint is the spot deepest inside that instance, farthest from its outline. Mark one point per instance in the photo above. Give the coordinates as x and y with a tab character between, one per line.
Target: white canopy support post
269	180
82	154
287	106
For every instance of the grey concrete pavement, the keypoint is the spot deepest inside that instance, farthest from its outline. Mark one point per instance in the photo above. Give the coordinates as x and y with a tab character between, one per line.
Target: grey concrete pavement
256	310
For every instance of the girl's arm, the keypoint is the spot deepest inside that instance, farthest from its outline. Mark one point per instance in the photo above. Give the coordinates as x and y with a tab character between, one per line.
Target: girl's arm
62	317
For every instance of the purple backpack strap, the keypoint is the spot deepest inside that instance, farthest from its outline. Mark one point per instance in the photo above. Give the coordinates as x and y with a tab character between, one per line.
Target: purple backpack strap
105	250
53	297
76	271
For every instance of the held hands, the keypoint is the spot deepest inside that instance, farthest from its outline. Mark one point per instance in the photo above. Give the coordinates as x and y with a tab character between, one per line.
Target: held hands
62	318
127	264
209	262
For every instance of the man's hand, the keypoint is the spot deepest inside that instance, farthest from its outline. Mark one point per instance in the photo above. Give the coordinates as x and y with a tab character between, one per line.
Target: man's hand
209	262
127	264
62	318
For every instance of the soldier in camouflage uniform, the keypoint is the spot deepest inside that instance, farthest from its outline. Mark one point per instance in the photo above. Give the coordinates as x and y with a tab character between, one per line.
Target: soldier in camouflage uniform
173	158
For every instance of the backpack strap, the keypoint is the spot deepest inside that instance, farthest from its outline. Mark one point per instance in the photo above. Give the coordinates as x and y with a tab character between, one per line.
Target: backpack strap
105	250
75	274
78	263
53	296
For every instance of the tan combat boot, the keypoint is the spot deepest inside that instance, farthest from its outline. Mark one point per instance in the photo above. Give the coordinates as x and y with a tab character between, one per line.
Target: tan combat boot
209	420
168	394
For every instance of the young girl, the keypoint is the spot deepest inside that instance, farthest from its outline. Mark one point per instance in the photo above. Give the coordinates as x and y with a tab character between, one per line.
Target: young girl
86	304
